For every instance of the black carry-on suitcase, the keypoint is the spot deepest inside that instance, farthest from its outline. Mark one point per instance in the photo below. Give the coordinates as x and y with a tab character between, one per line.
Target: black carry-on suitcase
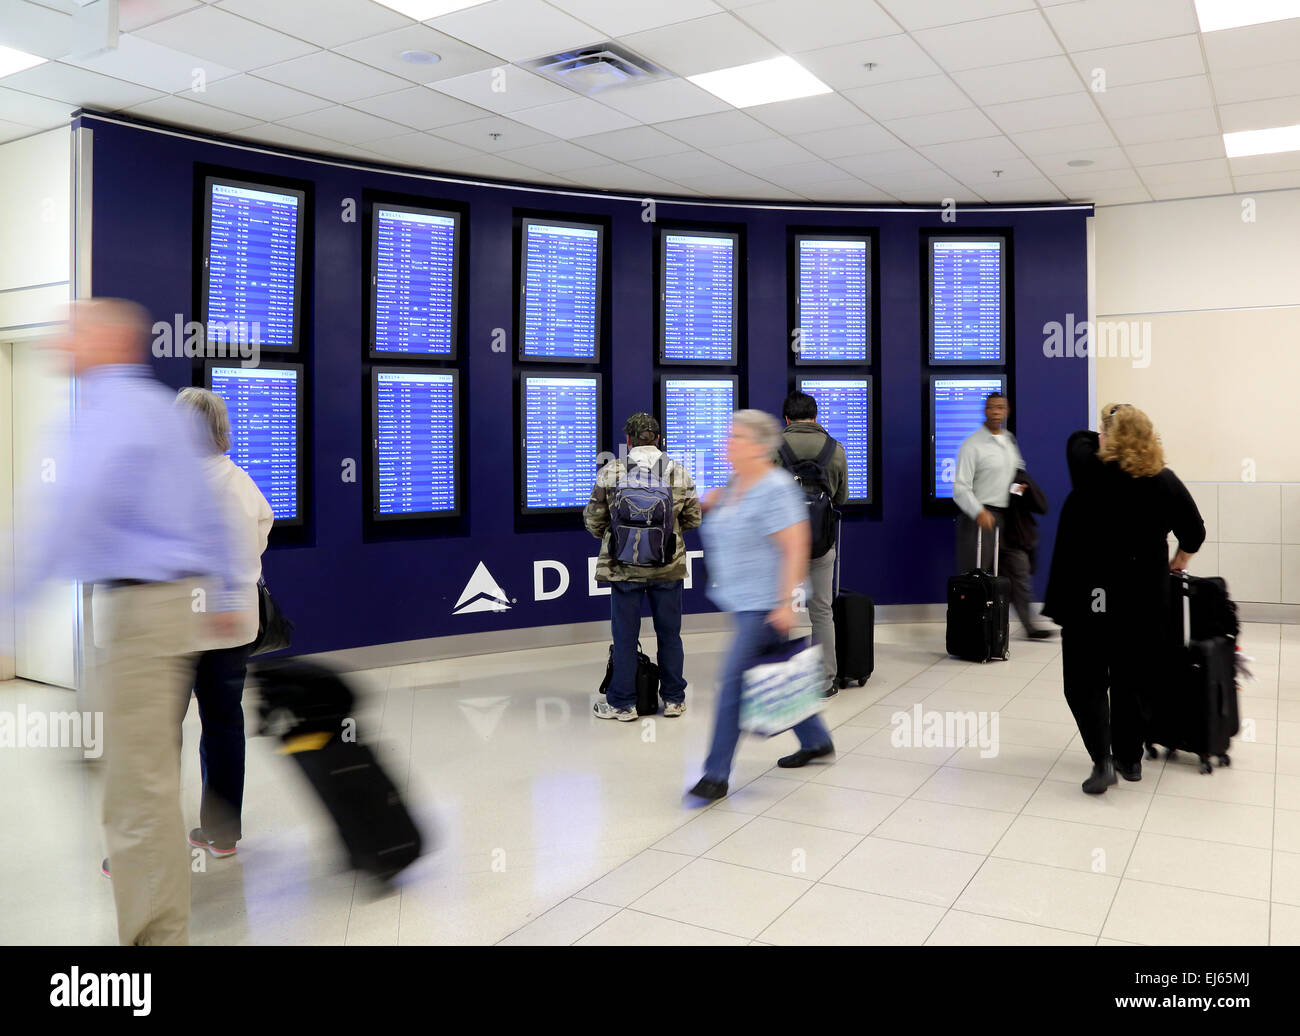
307	705
855	630
979	606
1199	714
646	681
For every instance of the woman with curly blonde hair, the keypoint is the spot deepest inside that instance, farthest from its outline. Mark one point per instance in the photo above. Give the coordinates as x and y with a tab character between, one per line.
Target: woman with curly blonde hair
1108	588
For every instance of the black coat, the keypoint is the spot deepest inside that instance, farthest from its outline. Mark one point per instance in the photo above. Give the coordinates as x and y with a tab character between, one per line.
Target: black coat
1021	526
1110	563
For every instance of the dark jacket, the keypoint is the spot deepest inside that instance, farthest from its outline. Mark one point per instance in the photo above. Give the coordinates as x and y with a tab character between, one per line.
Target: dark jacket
1021	525
806	439
1110	564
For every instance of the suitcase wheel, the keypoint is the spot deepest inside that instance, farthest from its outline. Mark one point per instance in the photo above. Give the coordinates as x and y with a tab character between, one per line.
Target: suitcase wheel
1205	766
1224	761
1171	753
1152	752
862	682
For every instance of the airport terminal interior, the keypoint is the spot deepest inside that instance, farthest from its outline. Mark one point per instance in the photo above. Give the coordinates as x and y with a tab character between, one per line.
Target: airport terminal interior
418	275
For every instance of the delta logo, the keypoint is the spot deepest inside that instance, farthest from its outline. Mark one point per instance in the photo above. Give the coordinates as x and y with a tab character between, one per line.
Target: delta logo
482	594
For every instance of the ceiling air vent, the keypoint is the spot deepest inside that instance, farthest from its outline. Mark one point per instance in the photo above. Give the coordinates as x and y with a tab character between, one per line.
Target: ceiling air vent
595	69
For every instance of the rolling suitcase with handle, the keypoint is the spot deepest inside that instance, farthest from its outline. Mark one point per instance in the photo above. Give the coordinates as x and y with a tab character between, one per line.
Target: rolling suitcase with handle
854	615
979	610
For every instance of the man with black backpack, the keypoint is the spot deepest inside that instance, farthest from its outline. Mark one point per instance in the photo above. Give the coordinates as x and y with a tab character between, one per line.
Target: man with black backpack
818	463
639	509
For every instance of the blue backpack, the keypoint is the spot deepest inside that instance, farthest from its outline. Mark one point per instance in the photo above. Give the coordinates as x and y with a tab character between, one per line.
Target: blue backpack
641	528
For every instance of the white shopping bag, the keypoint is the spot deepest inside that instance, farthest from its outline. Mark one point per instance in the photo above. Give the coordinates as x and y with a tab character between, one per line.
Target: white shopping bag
782	689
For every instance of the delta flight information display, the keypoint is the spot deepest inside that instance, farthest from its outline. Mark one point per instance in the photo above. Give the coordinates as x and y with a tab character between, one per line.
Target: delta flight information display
561	434
966	301
415	443
560	311
415	282
697	420
699	298
832	310
956	410
251	271
844	410
263	404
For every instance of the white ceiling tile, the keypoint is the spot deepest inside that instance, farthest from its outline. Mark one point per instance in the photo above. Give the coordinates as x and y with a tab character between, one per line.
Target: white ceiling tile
662	101
14	131
738	185
555	156
491	166
1100	180
30	110
939	195
1251	45
702	45
385	52
692	164
628	16
1206	188
636	142
1189	149
494	134
344	125
965	124
259	99
1173	58
809	114
1101	158
1197	122
419	107
1114	196
849	191
155	66
1029	189
422	149
1022	81
1268	181
990	41
1045	113
331	75
517	29
760	154
979	158
926	14
326	24
576	118
1253	165
618	177
795	25
1091	24
1252	115
923	96
923	185
851	140
1255	83
1168	95
803	174
1182	172
136	14
895	58
1067	138
504	89
286	136
225	38
181	112
78	86
731	127
884	163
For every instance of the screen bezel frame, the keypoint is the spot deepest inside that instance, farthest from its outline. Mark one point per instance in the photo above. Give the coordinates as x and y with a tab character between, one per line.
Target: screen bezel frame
209	181
522	450
799	380
662	306
1004	340
210	365
524	223
376	514
662	400
932	498
456	258
797	296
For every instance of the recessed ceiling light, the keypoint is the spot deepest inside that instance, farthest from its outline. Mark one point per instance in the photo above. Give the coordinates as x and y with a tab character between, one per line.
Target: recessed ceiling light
422	10
420	57
12	61
1231	14
763	82
1079	163
1262	142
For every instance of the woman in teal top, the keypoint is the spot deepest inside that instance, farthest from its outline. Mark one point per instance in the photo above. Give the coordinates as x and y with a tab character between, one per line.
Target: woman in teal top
756	539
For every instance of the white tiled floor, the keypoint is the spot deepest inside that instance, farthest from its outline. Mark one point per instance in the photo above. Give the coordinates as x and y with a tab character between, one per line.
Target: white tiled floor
551	827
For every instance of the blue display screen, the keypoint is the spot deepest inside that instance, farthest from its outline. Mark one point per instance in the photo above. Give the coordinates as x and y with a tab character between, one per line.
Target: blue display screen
262	403
957	409
699	300
833	322
844	410
415	282
561	425
697	420
966	301
252	270
561	283
415	443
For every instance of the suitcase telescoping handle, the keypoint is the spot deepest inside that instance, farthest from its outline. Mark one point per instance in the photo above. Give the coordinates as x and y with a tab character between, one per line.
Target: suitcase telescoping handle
979	546
1187	610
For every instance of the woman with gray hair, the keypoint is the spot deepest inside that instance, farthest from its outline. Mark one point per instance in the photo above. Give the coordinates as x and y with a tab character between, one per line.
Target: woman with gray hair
756	539
219	678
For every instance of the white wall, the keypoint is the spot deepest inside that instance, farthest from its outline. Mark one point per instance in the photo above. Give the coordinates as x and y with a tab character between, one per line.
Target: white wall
35	234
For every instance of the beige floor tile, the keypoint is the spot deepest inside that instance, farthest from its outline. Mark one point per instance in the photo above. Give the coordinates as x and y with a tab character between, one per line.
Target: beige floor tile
1119	807
1050	896
945	826
1234	870
562	925
959	928
840	809
1218	821
830	916
1061	843
633	928
871	773
920	873
784	847
634	879
978	788
1163	915
723	897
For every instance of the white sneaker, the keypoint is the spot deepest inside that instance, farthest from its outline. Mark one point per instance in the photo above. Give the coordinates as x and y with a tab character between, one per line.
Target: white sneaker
674	708
604	710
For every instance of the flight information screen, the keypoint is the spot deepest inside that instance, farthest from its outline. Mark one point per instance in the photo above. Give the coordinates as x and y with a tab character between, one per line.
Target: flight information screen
697	420
263	404
966	301
561	426
832	308
414	282
560	310
251	272
699	298
956	410
415	443
844	410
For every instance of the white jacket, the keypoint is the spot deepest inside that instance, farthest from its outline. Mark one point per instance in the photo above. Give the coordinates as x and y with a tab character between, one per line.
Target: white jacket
249	519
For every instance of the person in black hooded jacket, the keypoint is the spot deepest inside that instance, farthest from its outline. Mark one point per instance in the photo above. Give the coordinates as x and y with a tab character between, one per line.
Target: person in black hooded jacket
1108	586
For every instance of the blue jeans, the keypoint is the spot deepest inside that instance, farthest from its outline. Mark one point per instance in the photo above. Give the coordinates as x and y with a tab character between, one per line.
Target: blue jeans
625	619
753	635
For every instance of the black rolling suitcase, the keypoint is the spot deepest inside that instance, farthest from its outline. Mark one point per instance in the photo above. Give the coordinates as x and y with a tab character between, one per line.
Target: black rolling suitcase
979	608
855	630
306	705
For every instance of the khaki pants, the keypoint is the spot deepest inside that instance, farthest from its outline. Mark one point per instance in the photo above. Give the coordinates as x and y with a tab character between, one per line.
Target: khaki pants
821	594
146	673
